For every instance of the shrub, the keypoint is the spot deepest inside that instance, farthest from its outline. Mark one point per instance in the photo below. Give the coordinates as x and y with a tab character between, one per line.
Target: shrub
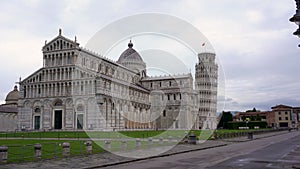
251	124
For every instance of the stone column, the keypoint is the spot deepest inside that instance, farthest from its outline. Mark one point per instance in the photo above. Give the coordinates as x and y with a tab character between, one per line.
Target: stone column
107	144
66	149
138	143
161	140
123	145
3	154
29	91
89	148
62	74
150	142
179	138
37	151
170	138
63	89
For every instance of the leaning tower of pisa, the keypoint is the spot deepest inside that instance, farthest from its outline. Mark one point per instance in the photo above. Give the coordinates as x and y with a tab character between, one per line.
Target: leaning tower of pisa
206	84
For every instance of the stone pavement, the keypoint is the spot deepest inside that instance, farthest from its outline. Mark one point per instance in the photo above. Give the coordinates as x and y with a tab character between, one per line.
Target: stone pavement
108	159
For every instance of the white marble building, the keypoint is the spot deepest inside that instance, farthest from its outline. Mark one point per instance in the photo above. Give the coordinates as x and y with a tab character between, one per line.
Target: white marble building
78	89
9	111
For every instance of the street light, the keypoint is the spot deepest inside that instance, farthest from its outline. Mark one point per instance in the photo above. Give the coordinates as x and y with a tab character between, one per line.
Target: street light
296	19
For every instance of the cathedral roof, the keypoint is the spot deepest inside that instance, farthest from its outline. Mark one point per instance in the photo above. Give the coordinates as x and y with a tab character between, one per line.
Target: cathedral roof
13	96
130	55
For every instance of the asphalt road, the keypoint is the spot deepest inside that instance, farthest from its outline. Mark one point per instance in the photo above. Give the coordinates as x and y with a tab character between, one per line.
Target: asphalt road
281	151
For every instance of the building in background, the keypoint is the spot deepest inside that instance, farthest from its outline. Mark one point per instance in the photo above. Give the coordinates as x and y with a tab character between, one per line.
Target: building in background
285	116
9	111
78	89
280	116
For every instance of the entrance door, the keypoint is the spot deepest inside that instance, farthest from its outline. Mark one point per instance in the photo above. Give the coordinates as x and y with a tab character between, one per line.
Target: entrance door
37	122
79	121
58	119
284	124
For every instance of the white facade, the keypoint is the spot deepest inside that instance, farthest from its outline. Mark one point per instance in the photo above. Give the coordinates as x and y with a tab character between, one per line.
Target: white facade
77	89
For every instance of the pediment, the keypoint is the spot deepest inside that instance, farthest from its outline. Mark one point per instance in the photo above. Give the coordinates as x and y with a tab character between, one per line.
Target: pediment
60	43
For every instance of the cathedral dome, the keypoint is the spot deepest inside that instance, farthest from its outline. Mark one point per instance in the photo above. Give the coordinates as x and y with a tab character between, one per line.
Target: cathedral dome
13	96
131	59
130	55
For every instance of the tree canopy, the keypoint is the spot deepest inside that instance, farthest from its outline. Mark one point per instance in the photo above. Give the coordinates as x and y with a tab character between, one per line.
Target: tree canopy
225	118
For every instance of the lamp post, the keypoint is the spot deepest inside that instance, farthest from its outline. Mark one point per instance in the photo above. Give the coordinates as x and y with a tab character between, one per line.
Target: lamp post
296	19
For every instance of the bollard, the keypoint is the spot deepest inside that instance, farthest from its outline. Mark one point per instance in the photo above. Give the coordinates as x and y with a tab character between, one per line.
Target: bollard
179	138
212	137
170	138
137	143
150	142
216	136
3	154
88	148
123	145
66	149
161	140
37	151
107	144
250	135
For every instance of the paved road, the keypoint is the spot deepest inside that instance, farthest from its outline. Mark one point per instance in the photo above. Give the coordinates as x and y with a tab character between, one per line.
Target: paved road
280	151
284	154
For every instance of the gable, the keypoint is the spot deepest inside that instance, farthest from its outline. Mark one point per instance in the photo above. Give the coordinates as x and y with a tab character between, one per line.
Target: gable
60	43
34	77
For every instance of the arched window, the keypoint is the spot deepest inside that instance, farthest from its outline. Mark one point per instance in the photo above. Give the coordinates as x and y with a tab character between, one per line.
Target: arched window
164	113
58	103
37	110
80	108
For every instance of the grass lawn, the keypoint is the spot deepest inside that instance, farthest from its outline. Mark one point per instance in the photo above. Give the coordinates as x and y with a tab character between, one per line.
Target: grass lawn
98	134
23	150
201	134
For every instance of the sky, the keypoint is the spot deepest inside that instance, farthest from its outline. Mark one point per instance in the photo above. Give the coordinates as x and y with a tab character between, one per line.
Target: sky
252	39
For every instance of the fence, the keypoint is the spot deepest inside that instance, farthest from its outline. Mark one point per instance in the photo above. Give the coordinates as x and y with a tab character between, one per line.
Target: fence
226	135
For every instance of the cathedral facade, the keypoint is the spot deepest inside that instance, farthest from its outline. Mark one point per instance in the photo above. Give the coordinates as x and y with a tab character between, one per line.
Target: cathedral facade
78	89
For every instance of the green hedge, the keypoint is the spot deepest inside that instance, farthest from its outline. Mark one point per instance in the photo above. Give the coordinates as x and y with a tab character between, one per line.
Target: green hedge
251	124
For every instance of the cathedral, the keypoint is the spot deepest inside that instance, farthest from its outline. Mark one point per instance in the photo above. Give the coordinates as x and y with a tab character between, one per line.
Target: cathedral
76	89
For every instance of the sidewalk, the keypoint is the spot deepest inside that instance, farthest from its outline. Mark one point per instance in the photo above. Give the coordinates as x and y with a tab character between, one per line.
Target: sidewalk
108	159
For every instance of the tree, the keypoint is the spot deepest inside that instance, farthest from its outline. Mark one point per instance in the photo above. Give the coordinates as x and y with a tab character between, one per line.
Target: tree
243	117
253	110
258	118
252	118
225	118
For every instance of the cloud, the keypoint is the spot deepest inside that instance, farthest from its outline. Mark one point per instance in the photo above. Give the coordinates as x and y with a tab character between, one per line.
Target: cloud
255	16
252	38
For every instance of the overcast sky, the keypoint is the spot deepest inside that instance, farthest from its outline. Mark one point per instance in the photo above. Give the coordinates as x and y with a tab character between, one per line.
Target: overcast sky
252	39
